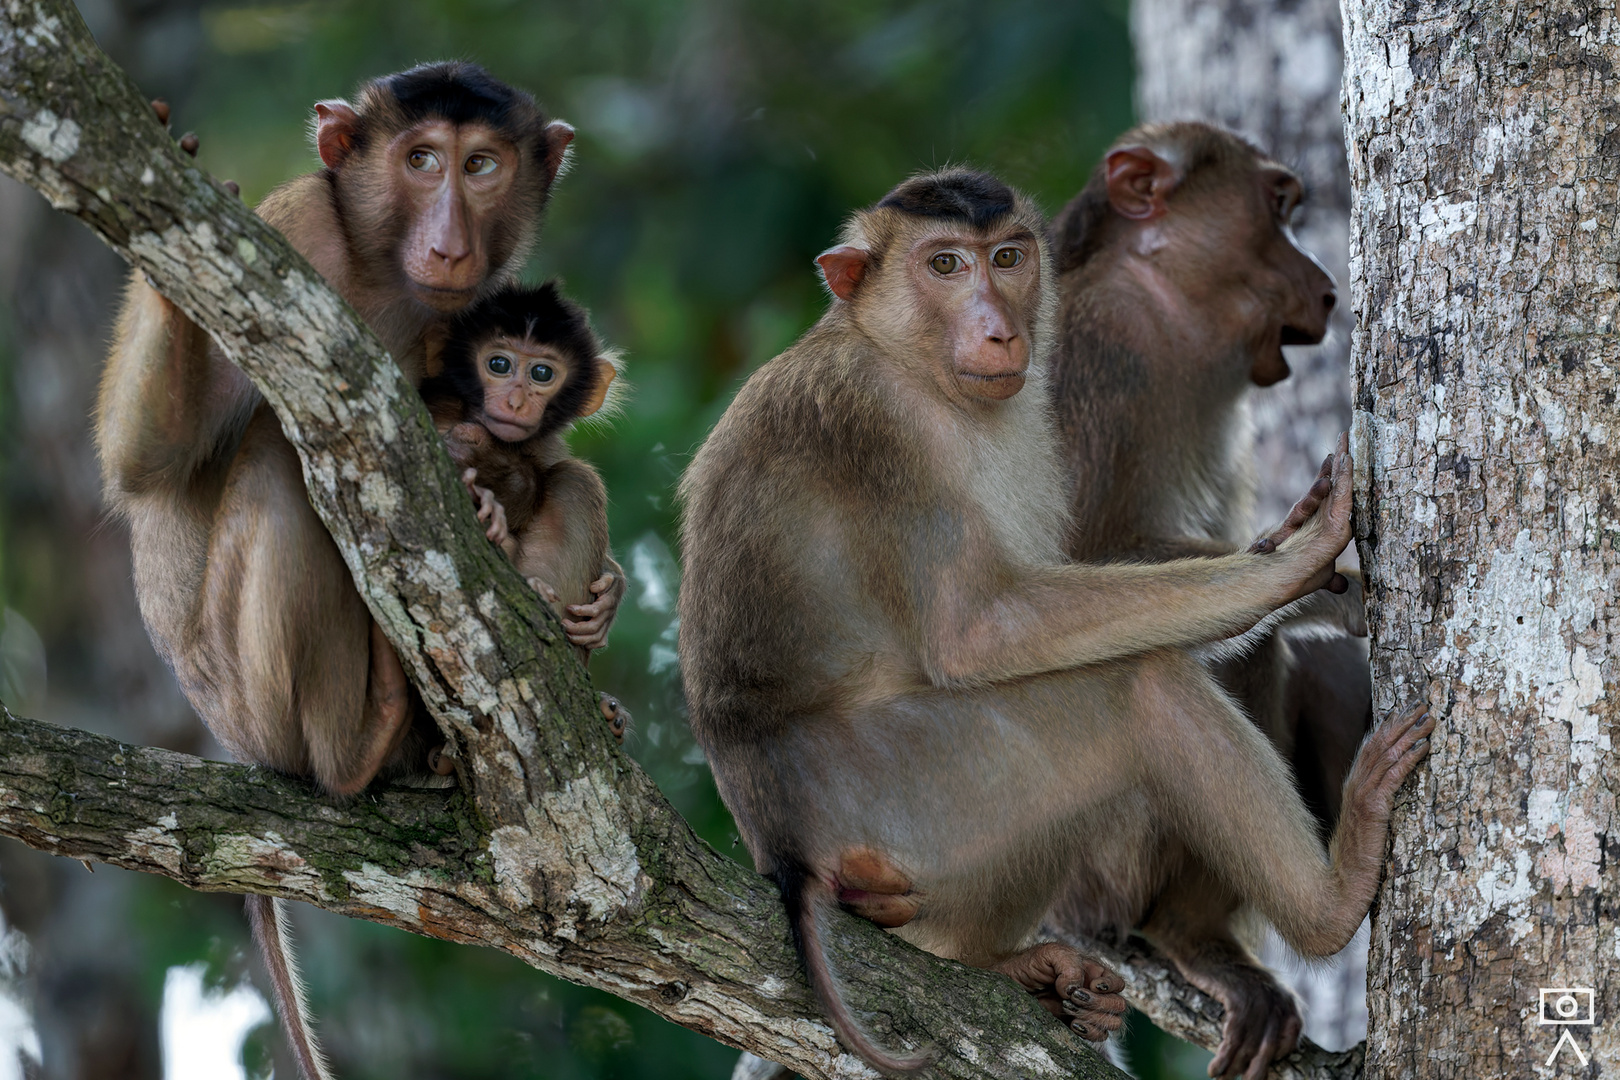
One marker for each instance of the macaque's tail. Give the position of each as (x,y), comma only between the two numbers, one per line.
(267,916)
(807,896)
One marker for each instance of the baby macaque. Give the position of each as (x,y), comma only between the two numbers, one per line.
(518,369)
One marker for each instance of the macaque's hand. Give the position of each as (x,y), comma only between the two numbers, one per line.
(587,625)
(491,514)
(1317,529)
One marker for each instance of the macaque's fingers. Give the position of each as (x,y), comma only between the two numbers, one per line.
(604,583)
(1385,760)
(617,716)
(547,593)
(1301,511)
(587,638)
(469,480)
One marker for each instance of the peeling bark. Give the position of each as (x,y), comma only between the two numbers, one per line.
(1483,154)
(555,847)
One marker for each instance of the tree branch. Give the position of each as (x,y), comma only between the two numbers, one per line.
(556,847)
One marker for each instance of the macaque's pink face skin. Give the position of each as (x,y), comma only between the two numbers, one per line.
(519,379)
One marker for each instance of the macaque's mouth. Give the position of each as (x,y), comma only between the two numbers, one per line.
(996,387)
(1293,335)
(508,431)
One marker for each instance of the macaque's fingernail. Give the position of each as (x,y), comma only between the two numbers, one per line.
(1081,995)
(234,188)
(161,108)
(189,143)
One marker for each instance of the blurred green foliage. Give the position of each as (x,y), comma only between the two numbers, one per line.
(720,144)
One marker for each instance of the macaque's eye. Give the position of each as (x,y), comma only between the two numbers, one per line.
(542,373)
(481,165)
(1008,257)
(500,365)
(424,161)
(945,263)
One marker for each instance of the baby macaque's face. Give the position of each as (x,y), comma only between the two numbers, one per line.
(520,379)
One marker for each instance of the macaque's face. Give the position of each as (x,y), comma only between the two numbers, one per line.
(979,290)
(520,379)
(455,185)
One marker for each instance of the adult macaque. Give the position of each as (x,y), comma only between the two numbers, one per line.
(430,197)
(519,368)
(913,705)
(1179,283)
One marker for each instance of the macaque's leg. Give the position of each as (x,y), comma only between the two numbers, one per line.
(1191,923)
(312,685)
(565,545)
(1234,804)
(168,400)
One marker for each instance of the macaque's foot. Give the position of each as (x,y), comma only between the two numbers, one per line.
(1262,1024)
(871,886)
(1078,989)
(617,716)
(491,514)
(1384,761)
(587,624)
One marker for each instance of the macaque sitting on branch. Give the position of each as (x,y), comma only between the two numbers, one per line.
(914,706)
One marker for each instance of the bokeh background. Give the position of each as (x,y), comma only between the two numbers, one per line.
(720,144)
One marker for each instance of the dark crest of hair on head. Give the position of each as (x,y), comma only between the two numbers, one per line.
(1078,231)
(959,194)
(540,314)
(454,90)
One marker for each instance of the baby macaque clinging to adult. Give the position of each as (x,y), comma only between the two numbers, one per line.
(518,369)
(1179,283)
(914,706)
(429,196)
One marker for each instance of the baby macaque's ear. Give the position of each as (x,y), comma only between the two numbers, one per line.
(605,374)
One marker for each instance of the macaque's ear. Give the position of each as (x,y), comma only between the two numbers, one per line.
(556,139)
(605,374)
(335,125)
(1139,182)
(843,267)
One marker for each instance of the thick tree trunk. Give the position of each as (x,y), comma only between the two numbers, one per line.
(1485,150)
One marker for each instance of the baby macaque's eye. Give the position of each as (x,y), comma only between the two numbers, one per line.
(480,164)
(424,161)
(945,263)
(500,365)
(542,373)
(1008,257)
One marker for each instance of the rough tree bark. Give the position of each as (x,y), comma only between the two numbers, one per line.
(1485,151)
(556,847)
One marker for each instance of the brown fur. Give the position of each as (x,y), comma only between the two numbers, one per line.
(243,591)
(1166,323)
(886,654)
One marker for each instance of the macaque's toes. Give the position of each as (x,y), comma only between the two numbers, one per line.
(617,716)
(189,143)
(234,188)
(161,108)
(547,593)
(1072,986)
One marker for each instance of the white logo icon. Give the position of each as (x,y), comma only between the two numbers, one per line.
(1565,1006)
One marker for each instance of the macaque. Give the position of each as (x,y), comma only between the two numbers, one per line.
(1179,283)
(429,198)
(519,368)
(914,705)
